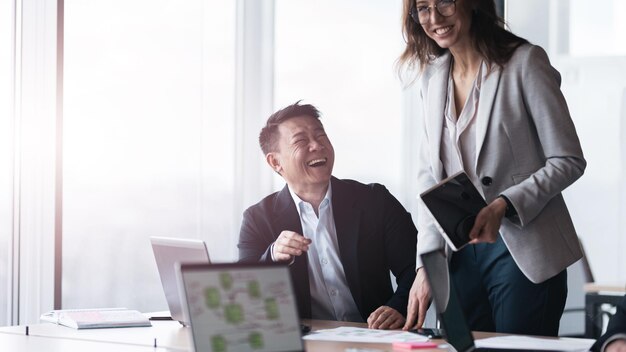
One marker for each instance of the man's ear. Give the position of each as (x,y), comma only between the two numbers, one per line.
(273,162)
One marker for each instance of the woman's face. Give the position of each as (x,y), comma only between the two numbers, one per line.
(452,32)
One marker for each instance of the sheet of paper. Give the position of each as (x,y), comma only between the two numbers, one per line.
(526,342)
(351,334)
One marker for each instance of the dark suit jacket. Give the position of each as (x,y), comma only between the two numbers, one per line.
(617,325)
(375,235)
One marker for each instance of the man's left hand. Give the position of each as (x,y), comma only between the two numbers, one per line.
(385,318)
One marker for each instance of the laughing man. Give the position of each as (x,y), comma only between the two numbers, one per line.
(340,237)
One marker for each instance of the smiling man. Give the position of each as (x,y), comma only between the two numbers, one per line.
(340,237)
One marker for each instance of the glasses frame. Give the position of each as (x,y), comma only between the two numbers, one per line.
(415,15)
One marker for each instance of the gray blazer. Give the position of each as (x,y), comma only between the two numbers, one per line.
(527,150)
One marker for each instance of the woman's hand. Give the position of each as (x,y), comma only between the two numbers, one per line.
(616,346)
(419,300)
(488,222)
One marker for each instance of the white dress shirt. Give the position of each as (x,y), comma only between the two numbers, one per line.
(458,142)
(331,298)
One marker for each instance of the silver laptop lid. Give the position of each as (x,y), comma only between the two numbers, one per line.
(168,252)
(241,307)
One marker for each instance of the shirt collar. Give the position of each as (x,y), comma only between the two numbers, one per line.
(298,201)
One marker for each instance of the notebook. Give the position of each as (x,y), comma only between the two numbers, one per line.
(455,327)
(454,203)
(168,252)
(96,318)
(241,307)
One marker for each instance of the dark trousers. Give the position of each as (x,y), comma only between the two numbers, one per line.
(497,297)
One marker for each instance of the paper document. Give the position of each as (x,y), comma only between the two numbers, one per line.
(351,334)
(96,318)
(546,344)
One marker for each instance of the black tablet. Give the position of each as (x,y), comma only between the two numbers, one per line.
(454,203)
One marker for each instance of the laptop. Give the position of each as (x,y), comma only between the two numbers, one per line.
(168,252)
(455,327)
(241,307)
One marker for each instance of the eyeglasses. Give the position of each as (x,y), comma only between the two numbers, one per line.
(421,14)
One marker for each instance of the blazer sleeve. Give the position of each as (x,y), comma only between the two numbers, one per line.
(255,242)
(429,238)
(617,326)
(540,89)
(400,240)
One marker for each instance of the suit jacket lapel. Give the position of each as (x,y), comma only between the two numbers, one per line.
(347,219)
(437,94)
(287,218)
(488,91)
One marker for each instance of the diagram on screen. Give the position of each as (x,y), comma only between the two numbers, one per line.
(243,310)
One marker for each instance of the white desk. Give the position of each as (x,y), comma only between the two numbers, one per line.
(169,335)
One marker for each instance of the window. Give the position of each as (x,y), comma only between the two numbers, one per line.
(148,142)
(6,157)
(340,57)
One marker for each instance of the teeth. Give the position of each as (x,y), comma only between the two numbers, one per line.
(316,161)
(443,30)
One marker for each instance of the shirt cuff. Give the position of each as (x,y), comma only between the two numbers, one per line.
(293,259)
(611,339)
(510,209)
(272,251)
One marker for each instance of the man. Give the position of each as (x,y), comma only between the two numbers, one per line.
(614,339)
(340,237)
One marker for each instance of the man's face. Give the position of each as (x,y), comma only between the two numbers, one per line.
(304,155)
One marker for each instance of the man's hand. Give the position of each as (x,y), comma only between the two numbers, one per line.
(419,300)
(618,345)
(385,318)
(288,245)
(488,222)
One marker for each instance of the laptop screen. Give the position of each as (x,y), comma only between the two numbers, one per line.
(168,252)
(241,307)
(447,303)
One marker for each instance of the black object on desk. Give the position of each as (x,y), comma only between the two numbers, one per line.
(432,333)
(594,312)
(160,318)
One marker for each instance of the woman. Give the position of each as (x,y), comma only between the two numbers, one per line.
(493,108)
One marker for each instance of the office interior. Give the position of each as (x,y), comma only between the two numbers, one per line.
(125,119)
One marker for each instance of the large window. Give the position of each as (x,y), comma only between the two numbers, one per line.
(6,158)
(339,56)
(148,142)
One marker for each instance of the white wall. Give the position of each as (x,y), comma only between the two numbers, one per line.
(588,50)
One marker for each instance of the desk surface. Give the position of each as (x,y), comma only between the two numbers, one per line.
(169,335)
(596,287)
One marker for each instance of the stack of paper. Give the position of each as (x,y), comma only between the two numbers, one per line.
(97,318)
(350,334)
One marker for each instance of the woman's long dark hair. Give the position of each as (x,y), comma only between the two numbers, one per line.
(494,43)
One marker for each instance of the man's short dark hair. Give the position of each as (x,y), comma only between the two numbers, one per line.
(269,133)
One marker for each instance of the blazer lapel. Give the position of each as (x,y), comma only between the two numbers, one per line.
(347,219)
(483,116)
(436,102)
(287,218)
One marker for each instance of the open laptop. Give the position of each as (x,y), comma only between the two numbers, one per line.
(168,252)
(456,329)
(241,307)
